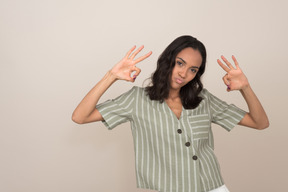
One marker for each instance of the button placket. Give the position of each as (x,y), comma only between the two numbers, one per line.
(187,143)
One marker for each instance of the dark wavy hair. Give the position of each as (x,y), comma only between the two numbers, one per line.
(160,79)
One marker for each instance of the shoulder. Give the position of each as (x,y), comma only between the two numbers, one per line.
(138,92)
(142,94)
(204,93)
(128,95)
(137,89)
(207,95)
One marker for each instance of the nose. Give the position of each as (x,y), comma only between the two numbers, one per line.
(182,73)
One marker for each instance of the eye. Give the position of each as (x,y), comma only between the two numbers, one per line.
(179,63)
(193,70)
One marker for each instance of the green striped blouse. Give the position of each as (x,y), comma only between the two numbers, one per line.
(171,154)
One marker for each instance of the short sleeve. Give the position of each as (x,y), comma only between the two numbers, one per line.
(119,110)
(223,114)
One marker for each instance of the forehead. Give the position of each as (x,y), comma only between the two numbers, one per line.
(190,56)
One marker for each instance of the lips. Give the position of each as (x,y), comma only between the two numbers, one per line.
(179,81)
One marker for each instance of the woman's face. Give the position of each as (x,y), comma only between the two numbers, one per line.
(187,64)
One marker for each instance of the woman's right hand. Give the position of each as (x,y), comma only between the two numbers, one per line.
(127,66)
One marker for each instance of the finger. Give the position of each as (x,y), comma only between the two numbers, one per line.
(227,62)
(135,73)
(136,52)
(236,62)
(223,66)
(143,57)
(130,51)
(228,88)
(226,81)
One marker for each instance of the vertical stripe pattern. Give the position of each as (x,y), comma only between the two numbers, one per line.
(172,155)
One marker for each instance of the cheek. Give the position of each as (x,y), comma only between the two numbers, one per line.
(174,72)
(192,76)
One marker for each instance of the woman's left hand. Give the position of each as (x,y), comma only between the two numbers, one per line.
(234,79)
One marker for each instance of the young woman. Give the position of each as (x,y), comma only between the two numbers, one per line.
(171,118)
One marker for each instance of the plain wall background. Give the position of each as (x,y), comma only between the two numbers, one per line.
(53,52)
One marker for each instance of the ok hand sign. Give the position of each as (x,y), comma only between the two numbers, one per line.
(234,78)
(124,69)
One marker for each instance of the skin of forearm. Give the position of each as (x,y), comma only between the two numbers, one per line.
(256,110)
(87,105)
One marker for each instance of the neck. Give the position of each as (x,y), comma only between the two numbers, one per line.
(173,94)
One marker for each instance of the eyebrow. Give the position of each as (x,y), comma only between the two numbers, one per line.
(185,62)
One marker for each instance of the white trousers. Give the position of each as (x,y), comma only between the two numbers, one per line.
(223,188)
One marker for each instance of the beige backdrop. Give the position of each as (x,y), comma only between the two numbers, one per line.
(53,51)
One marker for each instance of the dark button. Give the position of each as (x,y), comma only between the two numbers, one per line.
(194,157)
(187,144)
(179,131)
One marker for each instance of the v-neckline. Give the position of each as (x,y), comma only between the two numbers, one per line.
(171,111)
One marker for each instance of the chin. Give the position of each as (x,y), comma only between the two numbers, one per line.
(176,87)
